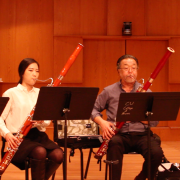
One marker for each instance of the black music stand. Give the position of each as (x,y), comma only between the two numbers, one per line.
(149,106)
(65,103)
(3,102)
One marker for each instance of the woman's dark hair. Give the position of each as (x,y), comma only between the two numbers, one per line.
(125,57)
(23,66)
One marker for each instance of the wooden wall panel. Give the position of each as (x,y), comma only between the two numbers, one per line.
(63,48)
(34,33)
(174,63)
(67,16)
(100,57)
(7,40)
(163,17)
(29,34)
(174,88)
(79,17)
(93,17)
(29,28)
(167,134)
(176,123)
(149,53)
(120,11)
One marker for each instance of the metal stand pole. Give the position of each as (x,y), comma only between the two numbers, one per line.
(65,144)
(148,114)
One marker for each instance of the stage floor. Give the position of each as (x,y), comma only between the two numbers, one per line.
(131,165)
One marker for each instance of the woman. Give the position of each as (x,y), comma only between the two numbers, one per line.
(36,144)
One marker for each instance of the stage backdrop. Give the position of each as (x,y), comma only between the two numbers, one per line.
(50,30)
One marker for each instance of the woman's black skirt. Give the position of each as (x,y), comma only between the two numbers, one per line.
(33,139)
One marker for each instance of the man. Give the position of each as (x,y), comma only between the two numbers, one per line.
(133,135)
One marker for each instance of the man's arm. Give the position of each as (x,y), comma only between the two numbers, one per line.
(96,115)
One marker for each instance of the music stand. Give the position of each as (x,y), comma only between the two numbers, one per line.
(149,106)
(3,102)
(65,103)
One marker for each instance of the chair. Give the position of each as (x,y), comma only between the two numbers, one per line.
(22,166)
(78,142)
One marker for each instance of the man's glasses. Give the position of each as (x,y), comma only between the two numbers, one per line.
(129,68)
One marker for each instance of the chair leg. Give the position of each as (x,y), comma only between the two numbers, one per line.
(82,178)
(53,176)
(26,169)
(87,166)
(63,171)
(106,171)
(82,169)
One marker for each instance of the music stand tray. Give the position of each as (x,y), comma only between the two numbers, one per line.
(65,103)
(149,106)
(3,102)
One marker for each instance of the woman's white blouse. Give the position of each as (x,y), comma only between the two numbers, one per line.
(20,104)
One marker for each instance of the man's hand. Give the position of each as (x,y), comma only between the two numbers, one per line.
(107,129)
(11,140)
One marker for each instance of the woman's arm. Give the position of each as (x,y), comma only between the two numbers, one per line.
(10,138)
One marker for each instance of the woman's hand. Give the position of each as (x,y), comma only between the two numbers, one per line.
(107,129)
(12,140)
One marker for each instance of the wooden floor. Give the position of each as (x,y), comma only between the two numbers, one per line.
(132,165)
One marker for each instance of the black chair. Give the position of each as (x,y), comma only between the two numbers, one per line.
(22,166)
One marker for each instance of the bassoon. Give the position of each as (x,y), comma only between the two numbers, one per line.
(27,125)
(104,146)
